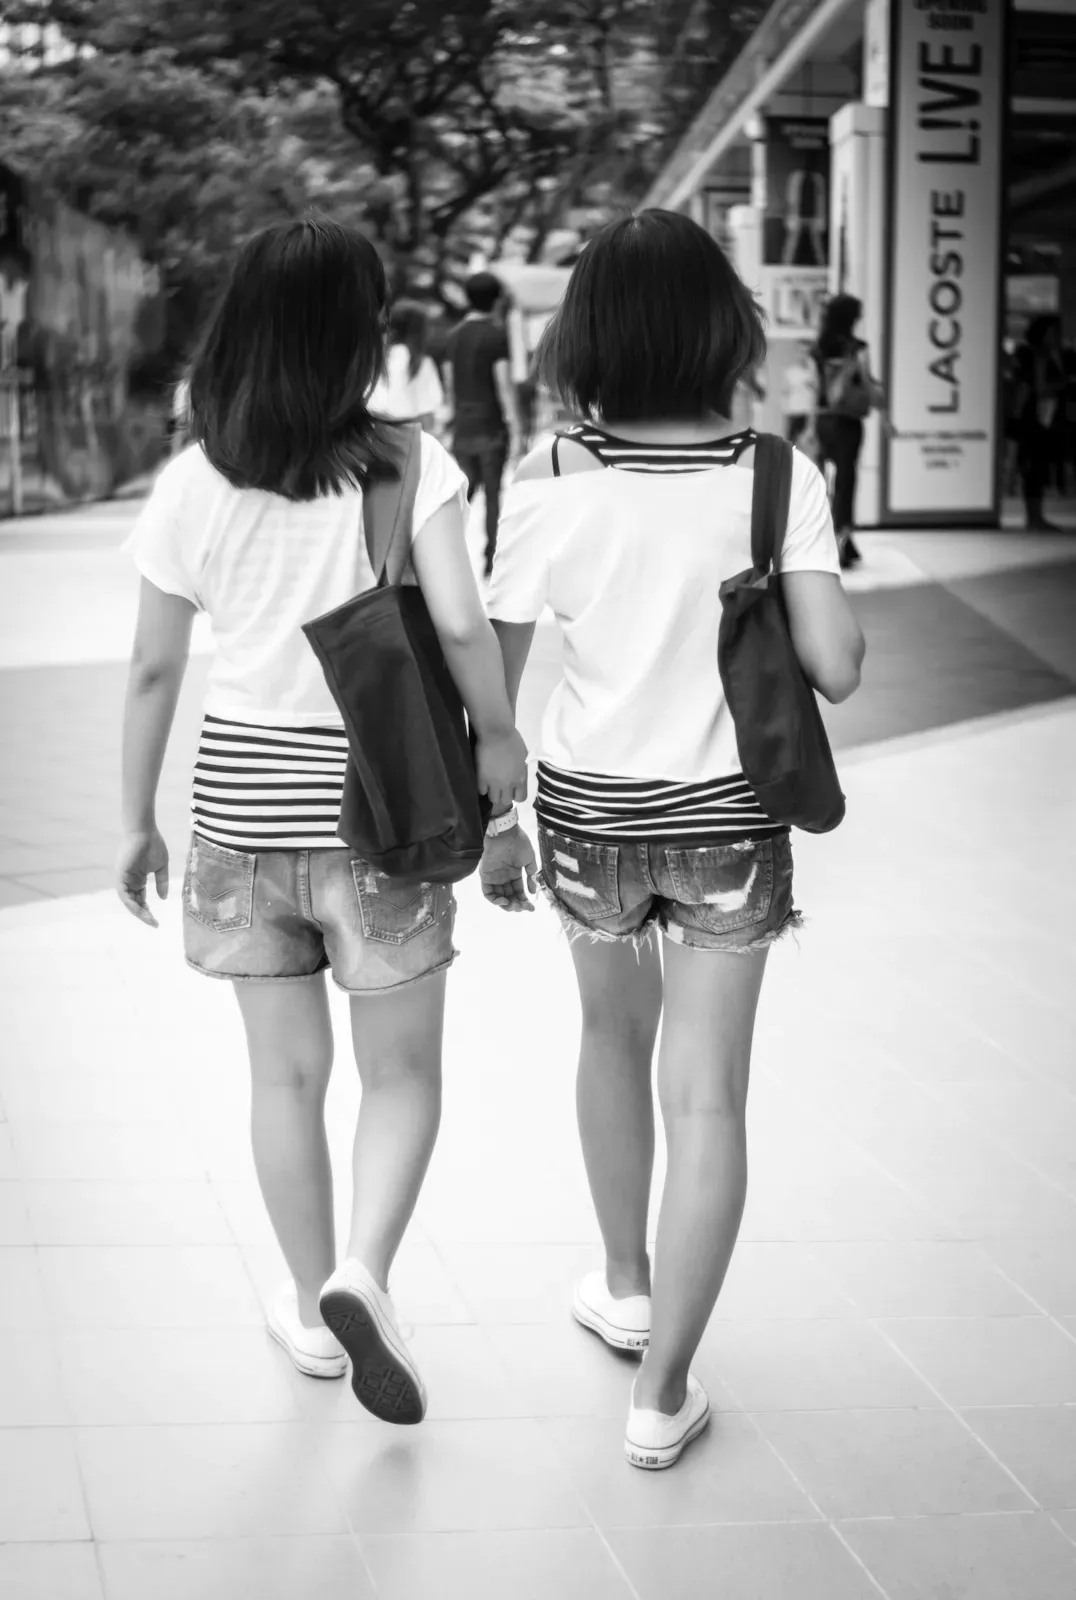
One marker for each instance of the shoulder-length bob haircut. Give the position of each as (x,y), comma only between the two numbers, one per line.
(280,379)
(655,322)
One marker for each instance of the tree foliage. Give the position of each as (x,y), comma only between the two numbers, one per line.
(445,127)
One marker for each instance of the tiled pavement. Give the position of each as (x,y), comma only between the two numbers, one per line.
(893,1360)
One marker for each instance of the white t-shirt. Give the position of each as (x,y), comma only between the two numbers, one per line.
(260,566)
(399,394)
(631,565)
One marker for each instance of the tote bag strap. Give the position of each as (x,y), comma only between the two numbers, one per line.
(770,499)
(388,507)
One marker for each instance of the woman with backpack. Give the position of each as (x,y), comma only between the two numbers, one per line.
(627,526)
(260,524)
(847,393)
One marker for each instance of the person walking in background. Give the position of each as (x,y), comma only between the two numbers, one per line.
(627,525)
(799,395)
(847,393)
(260,524)
(1040,390)
(410,386)
(482,399)
(181,416)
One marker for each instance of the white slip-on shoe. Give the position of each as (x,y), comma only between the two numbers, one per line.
(623,1324)
(314,1351)
(362,1316)
(654,1440)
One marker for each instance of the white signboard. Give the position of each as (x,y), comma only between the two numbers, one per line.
(793,299)
(945,258)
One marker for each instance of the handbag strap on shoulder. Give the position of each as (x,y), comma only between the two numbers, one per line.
(388,507)
(770,499)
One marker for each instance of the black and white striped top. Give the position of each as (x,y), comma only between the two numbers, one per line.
(268,788)
(603,807)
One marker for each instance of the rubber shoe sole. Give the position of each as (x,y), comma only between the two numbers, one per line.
(616,1338)
(382,1383)
(657,1460)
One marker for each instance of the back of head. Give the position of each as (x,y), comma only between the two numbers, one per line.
(655,323)
(281,377)
(409,326)
(484,290)
(838,325)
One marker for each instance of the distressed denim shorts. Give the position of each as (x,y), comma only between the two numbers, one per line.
(733,897)
(267,915)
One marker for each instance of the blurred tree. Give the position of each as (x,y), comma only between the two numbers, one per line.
(446,127)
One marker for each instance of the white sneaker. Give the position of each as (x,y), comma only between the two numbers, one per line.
(623,1324)
(363,1318)
(313,1350)
(655,1440)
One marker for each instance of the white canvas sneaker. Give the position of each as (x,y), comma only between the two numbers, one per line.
(385,1379)
(313,1350)
(623,1324)
(654,1440)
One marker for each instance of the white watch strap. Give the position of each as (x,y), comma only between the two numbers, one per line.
(503,824)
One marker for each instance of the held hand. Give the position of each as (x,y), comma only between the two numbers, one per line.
(506,861)
(501,766)
(142,855)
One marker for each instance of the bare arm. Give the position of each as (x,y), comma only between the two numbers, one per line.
(506,390)
(158,664)
(446,578)
(825,634)
(515,640)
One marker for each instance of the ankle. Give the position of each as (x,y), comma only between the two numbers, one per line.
(374,1262)
(309,1310)
(624,1279)
(664,1392)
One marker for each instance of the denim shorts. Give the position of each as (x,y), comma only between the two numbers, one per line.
(734,897)
(268,915)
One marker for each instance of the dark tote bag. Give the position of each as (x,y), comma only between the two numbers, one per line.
(784,750)
(411,805)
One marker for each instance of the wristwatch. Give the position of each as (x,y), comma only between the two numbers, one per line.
(503,824)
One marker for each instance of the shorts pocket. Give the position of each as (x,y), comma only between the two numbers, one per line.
(393,913)
(218,886)
(727,888)
(584,876)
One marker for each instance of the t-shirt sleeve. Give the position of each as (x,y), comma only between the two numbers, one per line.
(810,542)
(498,344)
(162,543)
(519,588)
(440,480)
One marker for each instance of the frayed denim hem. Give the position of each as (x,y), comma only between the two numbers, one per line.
(791,925)
(573,929)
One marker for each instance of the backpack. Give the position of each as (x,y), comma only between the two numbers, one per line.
(411,806)
(784,750)
(845,390)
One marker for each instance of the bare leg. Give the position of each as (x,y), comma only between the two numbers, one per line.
(289,1037)
(710,1003)
(621,997)
(397,1039)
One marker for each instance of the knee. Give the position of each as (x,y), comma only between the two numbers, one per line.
(719,1097)
(304,1075)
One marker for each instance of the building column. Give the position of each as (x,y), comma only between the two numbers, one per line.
(857,256)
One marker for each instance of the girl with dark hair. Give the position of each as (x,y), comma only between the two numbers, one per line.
(847,393)
(626,526)
(260,524)
(410,386)
(1040,389)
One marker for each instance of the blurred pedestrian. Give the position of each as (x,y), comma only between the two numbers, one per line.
(260,525)
(1040,389)
(181,416)
(847,393)
(410,387)
(486,426)
(799,395)
(627,525)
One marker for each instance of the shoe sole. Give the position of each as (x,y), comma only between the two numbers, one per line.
(668,1455)
(384,1383)
(309,1366)
(616,1338)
